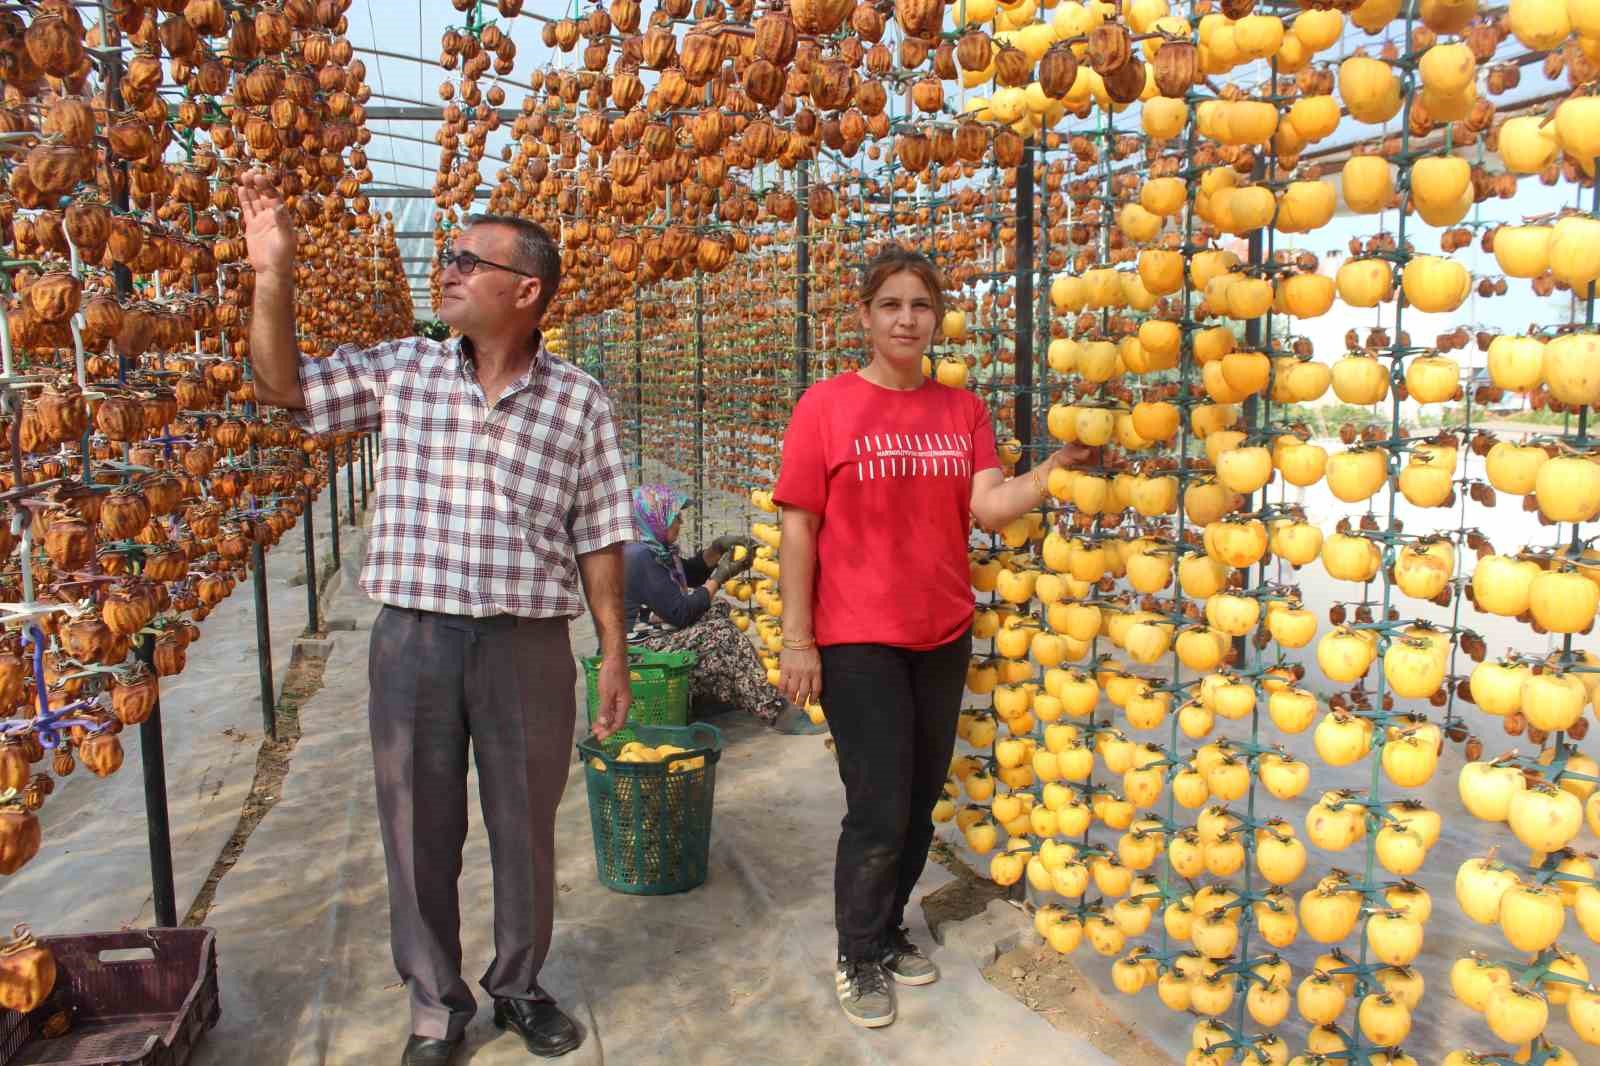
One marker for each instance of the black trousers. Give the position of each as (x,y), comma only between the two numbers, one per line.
(893,714)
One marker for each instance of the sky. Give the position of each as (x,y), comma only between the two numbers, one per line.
(414,28)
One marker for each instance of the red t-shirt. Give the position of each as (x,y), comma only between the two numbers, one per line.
(890,472)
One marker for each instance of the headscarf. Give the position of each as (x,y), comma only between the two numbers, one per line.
(655,508)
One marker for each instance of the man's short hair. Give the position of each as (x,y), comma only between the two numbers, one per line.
(536,251)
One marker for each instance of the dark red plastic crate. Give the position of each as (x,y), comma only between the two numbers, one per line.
(137,1012)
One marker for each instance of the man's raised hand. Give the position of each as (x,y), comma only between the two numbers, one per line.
(268,228)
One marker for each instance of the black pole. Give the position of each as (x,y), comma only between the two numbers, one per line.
(1255,342)
(350,478)
(309,521)
(1041,303)
(269,703)
(158,826)
(111,71)
(699,408)
(152,749)
(1022,300)
(333,502)
(638,387)
(802,288)
(363,472)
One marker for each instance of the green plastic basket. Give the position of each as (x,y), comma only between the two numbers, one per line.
(652,821)
(660,683)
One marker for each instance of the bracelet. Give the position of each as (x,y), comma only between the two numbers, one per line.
(804,645)
(1039,484)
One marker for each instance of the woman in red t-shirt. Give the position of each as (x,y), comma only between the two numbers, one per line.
(883,472)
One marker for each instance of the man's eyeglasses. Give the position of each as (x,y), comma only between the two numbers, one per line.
(467,262)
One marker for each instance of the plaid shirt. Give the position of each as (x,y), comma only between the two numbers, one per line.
(479,511)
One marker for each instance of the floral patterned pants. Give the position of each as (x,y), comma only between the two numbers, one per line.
(729,670)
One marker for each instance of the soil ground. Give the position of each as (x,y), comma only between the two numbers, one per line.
(1042,980)
(1050,985)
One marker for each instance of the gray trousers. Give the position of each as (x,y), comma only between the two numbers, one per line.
(438,682)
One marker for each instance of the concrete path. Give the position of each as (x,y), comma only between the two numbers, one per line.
(93,871)
(737,971)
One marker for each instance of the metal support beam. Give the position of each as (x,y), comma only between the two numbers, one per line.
(1256,341)
(158,827)
(393,136)
(309,522)
(333,501)
(699,407)
(424,60)
(802,290)
(152,750)
(424,113)
(350,478)
(395,98)
(1022,300)
(638,386)
(371,159)
(1042,332)
(269,702)
(381,192)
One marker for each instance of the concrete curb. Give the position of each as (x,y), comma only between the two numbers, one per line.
(1002,927)
(307,647)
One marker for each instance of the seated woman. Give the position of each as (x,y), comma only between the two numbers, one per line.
(661,585)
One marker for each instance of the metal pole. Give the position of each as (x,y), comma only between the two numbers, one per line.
(152,749)
(364,472)
(802,288)
(309,521)
(1254,342)
(350,478)
(158,826)
(1042,335)
(699,407)
(1022,300)
(269,703)
(333,502)
(111,71)
(638,387)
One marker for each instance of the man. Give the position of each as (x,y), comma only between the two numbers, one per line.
(501,485)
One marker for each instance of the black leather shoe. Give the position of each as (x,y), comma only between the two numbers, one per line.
(428,1051)
(543,1027)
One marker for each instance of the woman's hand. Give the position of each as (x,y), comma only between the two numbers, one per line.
(997,500)
(725,543)
(800,675)
(728,568)
(1072,455)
